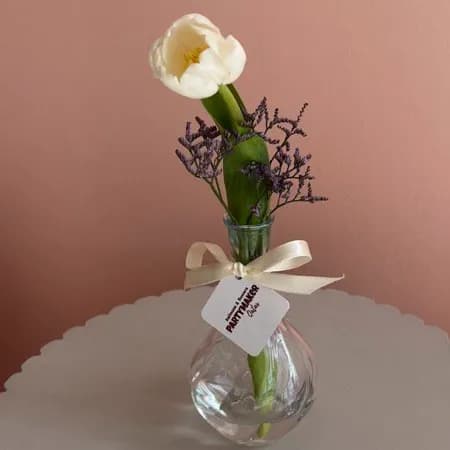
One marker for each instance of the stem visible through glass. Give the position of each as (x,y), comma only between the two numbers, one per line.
(248,243)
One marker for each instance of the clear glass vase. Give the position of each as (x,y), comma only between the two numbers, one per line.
(253,400)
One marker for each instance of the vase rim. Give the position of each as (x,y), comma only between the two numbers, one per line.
(230,224)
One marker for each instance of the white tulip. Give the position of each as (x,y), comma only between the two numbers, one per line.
(193,58)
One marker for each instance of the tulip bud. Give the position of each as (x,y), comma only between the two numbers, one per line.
(194,59)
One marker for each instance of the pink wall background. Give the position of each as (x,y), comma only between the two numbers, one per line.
(96,210)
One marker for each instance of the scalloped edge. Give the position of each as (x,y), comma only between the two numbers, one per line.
(10,381)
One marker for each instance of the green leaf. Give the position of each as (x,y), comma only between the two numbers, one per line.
(244,192)
(227,109)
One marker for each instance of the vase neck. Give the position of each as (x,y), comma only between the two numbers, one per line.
(248,242)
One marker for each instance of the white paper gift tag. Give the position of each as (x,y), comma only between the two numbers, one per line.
(245,313)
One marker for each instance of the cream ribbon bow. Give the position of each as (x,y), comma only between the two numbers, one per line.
(284,257)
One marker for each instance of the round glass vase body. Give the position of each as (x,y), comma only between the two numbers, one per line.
(251,400)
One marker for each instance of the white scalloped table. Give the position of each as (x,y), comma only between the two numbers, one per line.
(120,381)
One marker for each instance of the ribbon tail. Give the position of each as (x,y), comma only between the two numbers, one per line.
(293,284)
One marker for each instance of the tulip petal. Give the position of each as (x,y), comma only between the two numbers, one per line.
(197,81)
(210,66)
(155,59)
(198,21)
(233,57)
(191,85)
(181,42)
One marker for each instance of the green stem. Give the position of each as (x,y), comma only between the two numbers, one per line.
(264,377)
(219,197)
(238,98)
(263,367)
(225,109)
(243,192)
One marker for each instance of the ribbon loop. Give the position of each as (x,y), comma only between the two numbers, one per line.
(287,256)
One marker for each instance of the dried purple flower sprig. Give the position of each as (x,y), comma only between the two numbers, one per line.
(288,176)
(203,153)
